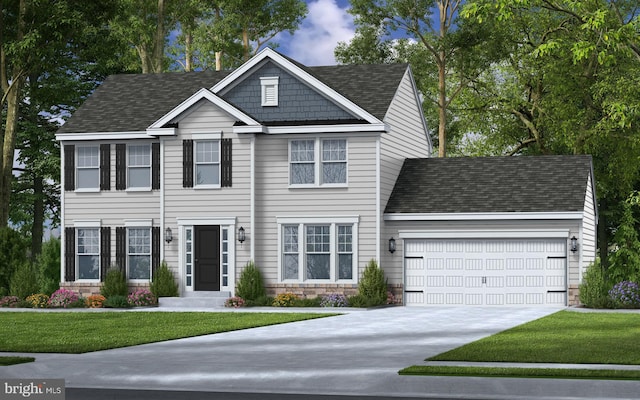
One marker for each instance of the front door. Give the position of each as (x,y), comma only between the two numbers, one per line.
(207,257)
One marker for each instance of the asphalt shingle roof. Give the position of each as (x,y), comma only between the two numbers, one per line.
(491,184)
(132,102)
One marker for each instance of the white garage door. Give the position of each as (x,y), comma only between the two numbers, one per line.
(485,272)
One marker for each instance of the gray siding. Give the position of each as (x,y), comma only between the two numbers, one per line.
(589,227)
(275,199)
(297,101)
(407,138)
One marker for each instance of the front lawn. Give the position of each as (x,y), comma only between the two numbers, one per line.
(79,332)
(564,337)
(4,361)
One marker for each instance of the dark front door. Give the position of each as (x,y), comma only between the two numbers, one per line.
(207,258)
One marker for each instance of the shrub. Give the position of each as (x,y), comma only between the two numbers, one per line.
(164,284)
(48,266)
(95,301)
(265,301)
(284,300)
(373,287)
(116,301)
(13,252)
(307,302)
(625,294)
(334,300)
(9,301)
(39,300)
(115,284)
(250,286)
(24,282)
(235,302)
(63,298)
(142,298)
(594,288)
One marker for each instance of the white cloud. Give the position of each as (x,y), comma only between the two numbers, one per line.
(326,24)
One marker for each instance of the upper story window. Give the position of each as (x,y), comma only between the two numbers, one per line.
(87,167)
(269,91)
(207,163)
(139,166)
(317,162)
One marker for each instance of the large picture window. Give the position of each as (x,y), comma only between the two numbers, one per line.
(139,253)
(317,162)
(317,251)
(88,253)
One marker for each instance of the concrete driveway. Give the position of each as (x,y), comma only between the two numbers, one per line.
(358,353)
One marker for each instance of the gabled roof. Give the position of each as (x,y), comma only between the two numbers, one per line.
(133,102)
(532,184)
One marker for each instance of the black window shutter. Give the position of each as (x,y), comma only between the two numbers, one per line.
(69,167)
(69,254)
(121,248)
(225,163)
(187,163)
(121,166)
(155,166)
(105,167)
(105,251)
(155,250)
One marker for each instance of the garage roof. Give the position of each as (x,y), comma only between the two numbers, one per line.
(524,184)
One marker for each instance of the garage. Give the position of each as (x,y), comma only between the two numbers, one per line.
(485,272)
(491,231)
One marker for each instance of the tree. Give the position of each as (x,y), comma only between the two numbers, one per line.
(568,84)
(444,51)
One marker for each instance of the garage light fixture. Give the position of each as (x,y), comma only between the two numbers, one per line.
(392,245)
(573,244)
(168,235)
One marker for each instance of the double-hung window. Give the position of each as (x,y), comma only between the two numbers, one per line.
(317,250)
(317,162)
(88,167)
(139,166)
(139,253)
(88,253)
(207,163)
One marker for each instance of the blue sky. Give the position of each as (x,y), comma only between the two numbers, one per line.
(326,24)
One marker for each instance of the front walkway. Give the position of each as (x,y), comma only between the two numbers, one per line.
(358,353)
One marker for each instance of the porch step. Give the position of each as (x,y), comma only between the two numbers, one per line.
(195,300)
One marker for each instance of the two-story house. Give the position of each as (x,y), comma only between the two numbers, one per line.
(302,170)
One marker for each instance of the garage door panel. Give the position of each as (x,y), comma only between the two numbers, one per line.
(486,272)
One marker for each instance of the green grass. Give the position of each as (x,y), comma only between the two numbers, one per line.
(84,332)
(504,372)
(564,337)
(4,361)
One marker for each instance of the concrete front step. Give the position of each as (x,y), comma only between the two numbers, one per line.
(195,300)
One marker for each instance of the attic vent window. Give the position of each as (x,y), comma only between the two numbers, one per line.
(269,91)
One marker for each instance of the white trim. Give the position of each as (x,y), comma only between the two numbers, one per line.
(138,223)
(102,136)
(485,234)
(87,223)
(252,195)
(298,72)
(204,134)
(162,203)
(323,219)
(195,98)
(162,131)
(307,129)
(379,209)
(206,221)
(569,215)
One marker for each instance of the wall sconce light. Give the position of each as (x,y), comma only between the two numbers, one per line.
(392,245)
(573,244)
(168,236)
(241,235)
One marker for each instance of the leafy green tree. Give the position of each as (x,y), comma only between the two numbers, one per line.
(13,252)
(48,266)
